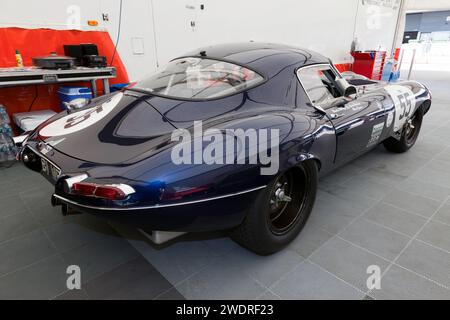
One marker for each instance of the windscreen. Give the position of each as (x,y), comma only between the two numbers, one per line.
(198,78)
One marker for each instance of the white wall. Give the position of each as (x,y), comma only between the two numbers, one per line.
(155,31)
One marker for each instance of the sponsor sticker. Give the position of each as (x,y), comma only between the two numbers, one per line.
(376,133)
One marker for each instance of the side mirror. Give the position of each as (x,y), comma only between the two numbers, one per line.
(345,88)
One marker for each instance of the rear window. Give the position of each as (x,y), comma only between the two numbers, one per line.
(198,78)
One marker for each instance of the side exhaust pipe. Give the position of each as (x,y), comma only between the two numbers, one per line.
(160,237)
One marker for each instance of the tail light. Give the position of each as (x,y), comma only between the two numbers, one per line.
(104,191)
(183,193)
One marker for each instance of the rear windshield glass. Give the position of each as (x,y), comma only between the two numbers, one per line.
(197,78)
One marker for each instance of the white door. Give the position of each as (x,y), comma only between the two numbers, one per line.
(175,28)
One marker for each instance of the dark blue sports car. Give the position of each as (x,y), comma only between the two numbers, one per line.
(229,137)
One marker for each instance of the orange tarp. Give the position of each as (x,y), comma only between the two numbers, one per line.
(40,42)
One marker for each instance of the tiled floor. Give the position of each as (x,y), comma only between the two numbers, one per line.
(37,244)
(383,209)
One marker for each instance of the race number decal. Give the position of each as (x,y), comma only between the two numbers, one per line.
(404,103)
(80,120)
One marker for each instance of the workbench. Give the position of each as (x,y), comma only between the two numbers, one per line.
(10,77)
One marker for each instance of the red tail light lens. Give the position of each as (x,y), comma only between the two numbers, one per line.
(83,189)
(111,192)
(183,193)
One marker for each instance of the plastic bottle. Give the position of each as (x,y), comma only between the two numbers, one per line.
(19,60)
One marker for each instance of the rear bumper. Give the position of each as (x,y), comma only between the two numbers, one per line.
(210,214)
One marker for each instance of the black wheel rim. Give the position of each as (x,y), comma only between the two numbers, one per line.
(287,200)
(412,128)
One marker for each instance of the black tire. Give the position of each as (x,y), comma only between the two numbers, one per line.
(271,224)
(408,137)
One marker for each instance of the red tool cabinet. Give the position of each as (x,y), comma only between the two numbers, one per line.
(369,64)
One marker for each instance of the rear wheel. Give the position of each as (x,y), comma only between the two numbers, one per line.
(409,134)
(280,211)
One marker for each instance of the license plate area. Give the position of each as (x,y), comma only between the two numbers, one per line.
(49,170)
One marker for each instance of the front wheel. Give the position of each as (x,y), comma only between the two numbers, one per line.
(280,210)
(409,134)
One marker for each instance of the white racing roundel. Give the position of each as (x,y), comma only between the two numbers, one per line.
(80,120)
(404,103)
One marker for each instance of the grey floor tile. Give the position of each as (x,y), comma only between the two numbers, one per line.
(426,189)
(221,246)
(309,239)
(342,174)
(375,238)
(413,203)
(332,213)
(38,203)
(179,260)
(23,251)
(347,262)
(78,230)
(383,176)
(8,188)
(43,280)
(371,159)
(171,294)
(100,256)
(436,234)
(444,156)
(16,172)
(428,261)
(135,279)
(264,269)
(16,225)
(370,187)
(308,281)
(432,175)
(220,281)
(439,165)
(354,196)
(443,214)
(10,205)
(76,294)
(395,218)
(268,296)
(399,283)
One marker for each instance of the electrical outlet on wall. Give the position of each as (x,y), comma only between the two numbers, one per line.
(137,45)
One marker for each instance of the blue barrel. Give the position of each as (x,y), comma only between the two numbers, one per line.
(67,94)
(387,69)
(117,87)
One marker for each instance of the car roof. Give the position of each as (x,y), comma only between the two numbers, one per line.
(265,58)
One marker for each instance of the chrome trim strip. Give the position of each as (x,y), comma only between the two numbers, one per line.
(69,182)
(312,66)
(156,206)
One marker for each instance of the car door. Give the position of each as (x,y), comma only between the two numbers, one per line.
(359,122)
